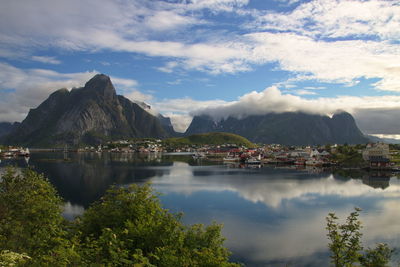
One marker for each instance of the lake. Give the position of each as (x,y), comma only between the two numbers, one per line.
(272,216)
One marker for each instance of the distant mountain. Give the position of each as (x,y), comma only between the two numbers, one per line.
(288,128)
(375,139)
(210,139)
(87,115)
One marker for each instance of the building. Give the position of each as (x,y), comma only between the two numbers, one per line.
(377,155)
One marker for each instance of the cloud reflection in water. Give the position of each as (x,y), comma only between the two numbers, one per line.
(289,226)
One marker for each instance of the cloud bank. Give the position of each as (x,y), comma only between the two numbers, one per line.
(273,100)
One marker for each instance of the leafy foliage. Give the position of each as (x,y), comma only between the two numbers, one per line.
(209,139)
(349,156)
(30,218)
(345,244)
(129,226)
(126,227)
(10,259)
(378,256)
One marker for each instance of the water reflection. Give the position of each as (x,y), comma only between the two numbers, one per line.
(84,177)
(271,216)
(281,213)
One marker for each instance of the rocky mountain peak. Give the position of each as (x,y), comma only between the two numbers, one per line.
(101,84)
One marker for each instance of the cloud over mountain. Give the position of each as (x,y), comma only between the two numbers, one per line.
(272,100)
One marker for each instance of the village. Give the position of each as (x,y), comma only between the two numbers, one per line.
(376,156)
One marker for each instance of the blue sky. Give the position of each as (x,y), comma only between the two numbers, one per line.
(220,57)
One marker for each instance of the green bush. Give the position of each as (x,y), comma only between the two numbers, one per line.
(345,244)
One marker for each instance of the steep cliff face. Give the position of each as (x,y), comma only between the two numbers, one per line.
(285,128)
(90,115)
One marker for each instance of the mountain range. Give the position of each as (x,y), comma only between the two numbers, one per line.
(290,128)
(95,113)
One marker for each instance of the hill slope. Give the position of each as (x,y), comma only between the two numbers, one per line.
(210,139)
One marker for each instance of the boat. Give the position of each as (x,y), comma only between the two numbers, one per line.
(300,162)
(24,152)
(231,159)
(253,160)
(8,155)
(314,162)
(199,155)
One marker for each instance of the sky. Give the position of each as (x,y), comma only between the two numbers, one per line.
(217,57)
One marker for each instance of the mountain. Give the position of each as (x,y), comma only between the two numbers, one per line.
(7,127)
(89,115)
(290,128)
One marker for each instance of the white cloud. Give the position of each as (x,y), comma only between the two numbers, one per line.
(216,5)
(137,96)
(179,121)
(304,92)
(124,83)
(288,2)
(176,82)
(387,136)
(45,59)
(314,87)
(168,20)
(168,67)
(337,18)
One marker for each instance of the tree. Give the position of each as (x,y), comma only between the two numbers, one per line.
(129,226)
(345,244)
(30,219)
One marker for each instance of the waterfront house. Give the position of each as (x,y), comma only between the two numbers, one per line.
(377,155)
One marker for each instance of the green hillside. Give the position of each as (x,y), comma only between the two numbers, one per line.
(209,139)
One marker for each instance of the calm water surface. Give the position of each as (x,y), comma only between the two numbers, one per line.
(271,216)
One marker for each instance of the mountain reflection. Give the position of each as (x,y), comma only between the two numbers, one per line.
(84,177)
